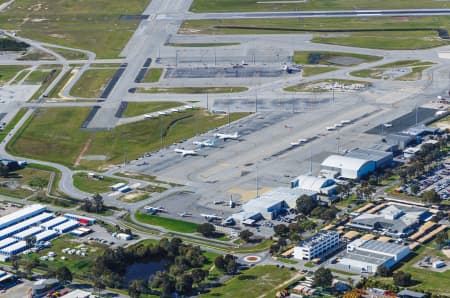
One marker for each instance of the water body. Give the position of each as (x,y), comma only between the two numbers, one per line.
(142,271)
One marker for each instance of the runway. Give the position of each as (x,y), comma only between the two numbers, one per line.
(313,14)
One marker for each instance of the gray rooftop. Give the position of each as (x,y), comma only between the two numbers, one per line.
(317,238)
(394,218)
(370,258)
(369,154)
(382,247)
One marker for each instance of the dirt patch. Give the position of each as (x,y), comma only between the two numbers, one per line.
(83,150)
(247,195)
(446,252)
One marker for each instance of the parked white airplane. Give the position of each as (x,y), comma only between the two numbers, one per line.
(185,152)
(174,110)
(224,136)
(346,122)
(299,142)
(148,116)
(206,143)
(153,210)
(331,128)
(387,125)
(210,216)
(184,214)
(162,113)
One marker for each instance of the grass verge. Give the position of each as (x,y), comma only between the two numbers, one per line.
(260,279)
(317,86)
(84,183)
(332,58)
(390,33)
(153,75)
(92,83)
(175,225)
(12,124)
(139,108)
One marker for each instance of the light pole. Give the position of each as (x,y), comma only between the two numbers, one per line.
(161,130)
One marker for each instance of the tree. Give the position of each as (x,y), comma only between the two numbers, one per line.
(30,241)
(414,188)
(322,278)
(219,262)
(402,278)
(281,230)
(4,170)
(98,203)
(87,205)
(183,284)
(198,275)
(64,275)
(383,271)
(245,235)
(136,288)
(442,237)
(206,229)
(431,196)
(306,204)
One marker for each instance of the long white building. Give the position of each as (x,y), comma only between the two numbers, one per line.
(317,246)
(20,215)
(24,225)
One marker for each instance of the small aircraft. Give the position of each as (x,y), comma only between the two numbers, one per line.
(224,136)
(331,128)
(338,125)
(174,110)
(148,116)
(162,113)
(185,152)
(184,214)
(344,122)
(206,143)
(387,125)
(211,216)
(299,142)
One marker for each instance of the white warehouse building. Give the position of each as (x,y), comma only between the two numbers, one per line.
(368,255)
(317,246)
(348,167)
(315,184)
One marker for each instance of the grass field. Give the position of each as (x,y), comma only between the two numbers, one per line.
(55,92)
(69,54)
(380,39)
(153,75)
(92,83)
(78,265)
(90,25)
(309,71)
(139,108)
(93,186)
(27,181)
(167,223)
(40,138)
(252,283)
(193,90)
(416,67)
(252,5)
(311,86)
(7,72)
(327,58)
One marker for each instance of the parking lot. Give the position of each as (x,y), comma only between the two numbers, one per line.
(437,179)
